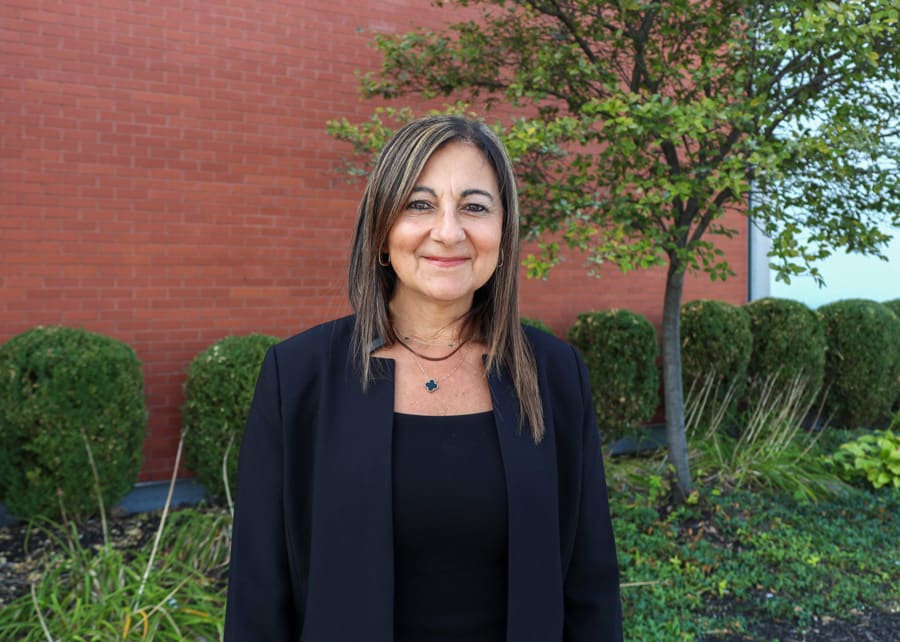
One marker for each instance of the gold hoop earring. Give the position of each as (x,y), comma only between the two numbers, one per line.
(384,262)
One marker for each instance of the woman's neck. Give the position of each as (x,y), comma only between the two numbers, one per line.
(427,321)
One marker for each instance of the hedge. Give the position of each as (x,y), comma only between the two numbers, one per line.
(788,347)
(620,349)
(67,395)
(862,363)
(716,344)
(218,391)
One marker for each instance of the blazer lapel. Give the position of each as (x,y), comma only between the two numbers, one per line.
(534,579)
(352,562)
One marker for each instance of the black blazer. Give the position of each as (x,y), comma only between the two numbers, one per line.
(312,554)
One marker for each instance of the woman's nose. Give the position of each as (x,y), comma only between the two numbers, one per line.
(448,227)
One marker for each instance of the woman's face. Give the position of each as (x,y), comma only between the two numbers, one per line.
(446,242)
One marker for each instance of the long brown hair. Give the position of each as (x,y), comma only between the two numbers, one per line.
(494,315)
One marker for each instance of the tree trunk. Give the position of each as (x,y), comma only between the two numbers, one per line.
(673,388)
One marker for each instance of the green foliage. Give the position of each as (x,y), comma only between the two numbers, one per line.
(537,323)
(67,395)
(638,140)
(862,365)
(894,306)
(770,451)
(218,391)
(107,593)
(788,343)
(872,458)
(730,559)
(716,344)
(620,350)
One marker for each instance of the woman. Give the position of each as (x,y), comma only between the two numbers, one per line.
(426,469)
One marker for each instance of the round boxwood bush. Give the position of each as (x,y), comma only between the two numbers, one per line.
(715,350)
(788,347)
(59,388)
(536,323)
(218,391)
(620,350)
(894,306)
(862,363)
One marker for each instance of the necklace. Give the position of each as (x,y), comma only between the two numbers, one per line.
(431,384)
(427,358)
(411,338)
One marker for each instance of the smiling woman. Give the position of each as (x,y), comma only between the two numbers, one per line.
(426,469)
(446,242)
(443,247)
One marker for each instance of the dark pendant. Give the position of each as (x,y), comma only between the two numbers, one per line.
(431,385)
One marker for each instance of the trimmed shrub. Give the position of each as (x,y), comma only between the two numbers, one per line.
(862,363)
(620,350)
(218,391)
(715,350)
(59,388)
(894,306)
(537,323)
(788,347)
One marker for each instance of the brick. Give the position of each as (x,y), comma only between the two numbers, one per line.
(166,178)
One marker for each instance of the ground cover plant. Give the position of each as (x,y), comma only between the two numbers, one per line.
(758,566)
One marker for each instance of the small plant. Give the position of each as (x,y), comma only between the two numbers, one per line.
(620,349)
(218,391)
(872,458)
(771,449)
(62,389)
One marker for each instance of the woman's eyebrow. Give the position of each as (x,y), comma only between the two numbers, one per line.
(467,192)
(475,190)
(422,188)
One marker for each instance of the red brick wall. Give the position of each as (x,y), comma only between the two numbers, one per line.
(165,178)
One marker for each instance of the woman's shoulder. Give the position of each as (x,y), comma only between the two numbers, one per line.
(321,338)
(546,346)
(562,374)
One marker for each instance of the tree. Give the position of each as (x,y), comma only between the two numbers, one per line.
(639,123)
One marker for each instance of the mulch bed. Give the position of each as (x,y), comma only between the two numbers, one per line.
(23,552)
(871,626)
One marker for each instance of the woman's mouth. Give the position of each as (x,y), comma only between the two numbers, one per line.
(446,261)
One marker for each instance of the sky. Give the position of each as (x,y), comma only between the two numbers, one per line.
(848,276)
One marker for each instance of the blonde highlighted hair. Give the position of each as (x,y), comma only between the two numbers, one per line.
(494,315)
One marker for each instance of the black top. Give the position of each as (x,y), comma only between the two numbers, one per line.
(450,529)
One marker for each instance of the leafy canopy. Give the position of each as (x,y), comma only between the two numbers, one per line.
(640,123)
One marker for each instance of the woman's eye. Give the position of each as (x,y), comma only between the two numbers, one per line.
(418,205)
(475,208)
